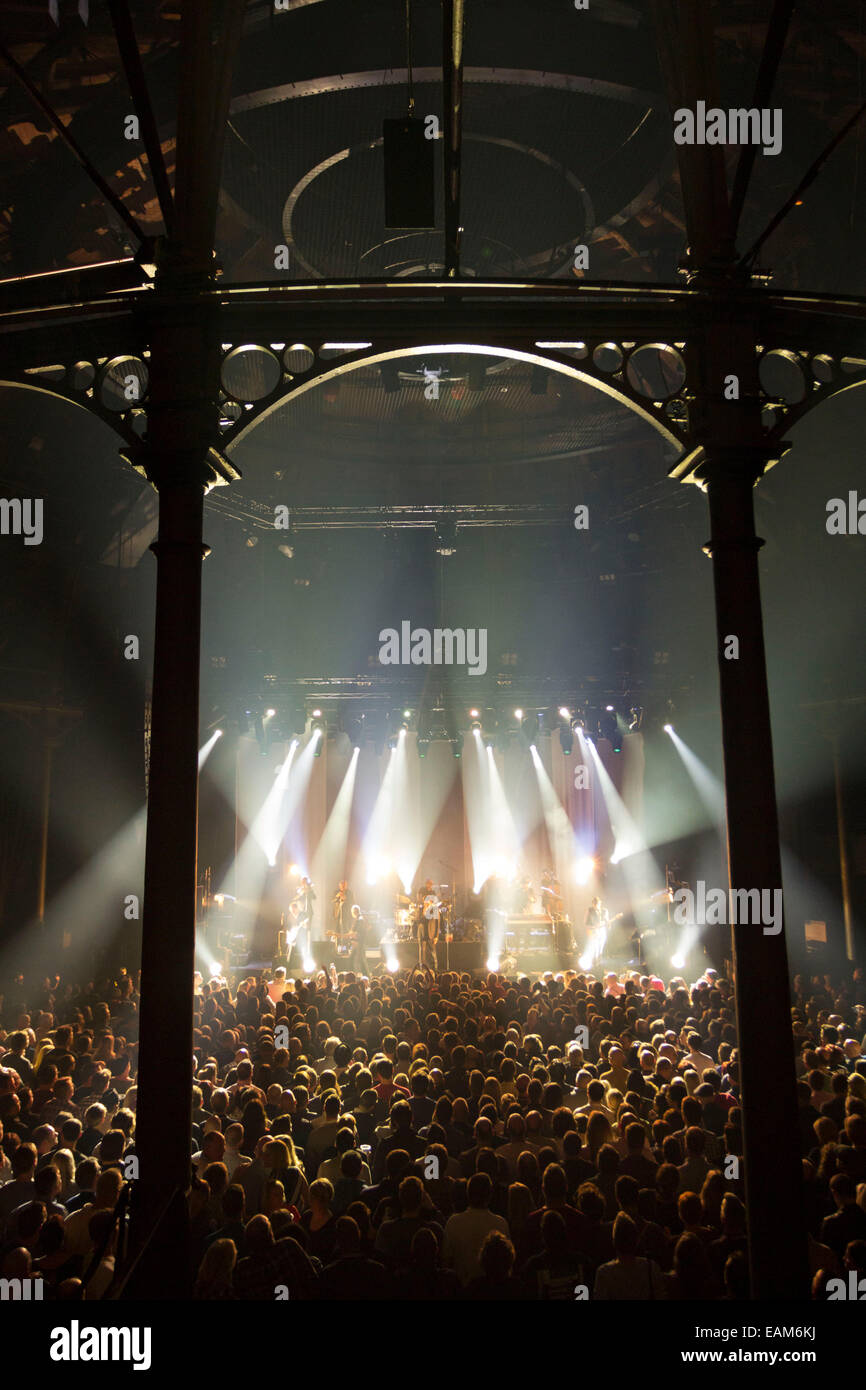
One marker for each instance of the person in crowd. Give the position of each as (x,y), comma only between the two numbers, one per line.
(466,1231)
(628,1276)
(435,1111)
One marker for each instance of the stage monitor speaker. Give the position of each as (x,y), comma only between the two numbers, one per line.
(462,955)
(410,198)
(323,952)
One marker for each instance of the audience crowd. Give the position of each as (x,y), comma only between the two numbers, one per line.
(429,1136)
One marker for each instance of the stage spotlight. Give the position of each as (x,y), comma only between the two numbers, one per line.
(473,714)
(585,961)
(583,869)
(492,962)
(445,542)
(269,713)
(564,713)
(295,870)
(309,965)
(219,733)
(609,709)
(678,962)
(615,857)
(392,965)
(668,728)
(488,743)
(317,726)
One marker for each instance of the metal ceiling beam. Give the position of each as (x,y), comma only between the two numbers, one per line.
(130,56)
(774,47)
(806,181)
(452,98)
(71,144)
(407,315)
(684,33)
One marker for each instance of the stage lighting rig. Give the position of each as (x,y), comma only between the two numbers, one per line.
(374,727)
(608,728)
(318,732)
(445,538)
(529,727)
(353,727)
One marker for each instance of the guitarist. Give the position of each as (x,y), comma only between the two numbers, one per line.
(305,898)
(428,924)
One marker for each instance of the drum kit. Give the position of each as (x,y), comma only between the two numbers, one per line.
(408,913)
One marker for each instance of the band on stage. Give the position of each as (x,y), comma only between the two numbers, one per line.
(523,919)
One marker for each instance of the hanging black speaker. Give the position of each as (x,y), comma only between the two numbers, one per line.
(410,199)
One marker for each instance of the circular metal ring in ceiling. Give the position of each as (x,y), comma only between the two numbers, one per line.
(249,373)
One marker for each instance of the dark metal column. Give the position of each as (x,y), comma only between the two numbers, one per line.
(733,458)
(167,963)
(725,425)
(178,459)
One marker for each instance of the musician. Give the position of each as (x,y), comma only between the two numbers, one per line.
(428,924)
(290,931)
(553,905)
(426,890)
(523,896)
(551,894)
(305,898)
(596,921)
(343,903)
(596,914)
(357,940)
